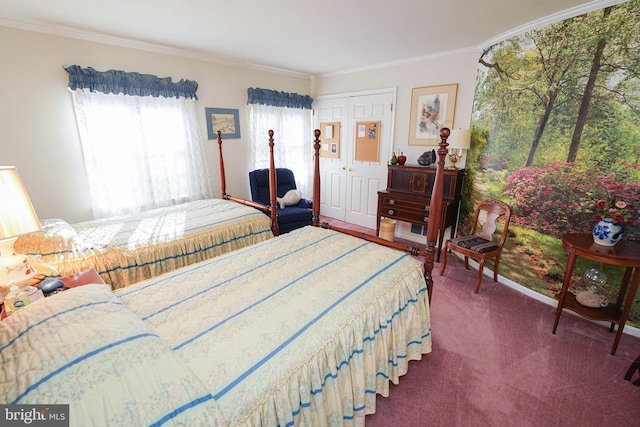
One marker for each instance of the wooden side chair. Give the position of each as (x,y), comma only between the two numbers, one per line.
(481,246)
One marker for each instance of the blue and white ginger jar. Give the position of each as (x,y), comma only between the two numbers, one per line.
(607,233)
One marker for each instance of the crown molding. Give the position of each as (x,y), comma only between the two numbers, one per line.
(551,19)
(430,57)
(143,46)
(547,20)
(206,57)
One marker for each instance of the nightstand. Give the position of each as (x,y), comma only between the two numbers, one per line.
(78,279)
(72,281)
(83,278)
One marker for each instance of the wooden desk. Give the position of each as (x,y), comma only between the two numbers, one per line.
(624,254)
(408,196)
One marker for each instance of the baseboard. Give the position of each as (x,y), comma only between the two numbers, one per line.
(628,329)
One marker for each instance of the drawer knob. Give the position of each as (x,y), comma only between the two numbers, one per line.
(392,212)
(392,202)
(426,219)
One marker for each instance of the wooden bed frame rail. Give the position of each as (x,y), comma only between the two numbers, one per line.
(435,207)
(272,210)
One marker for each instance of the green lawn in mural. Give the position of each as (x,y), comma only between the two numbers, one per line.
(555,129)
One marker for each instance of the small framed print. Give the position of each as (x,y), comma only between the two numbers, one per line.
(432,108)
(225,120)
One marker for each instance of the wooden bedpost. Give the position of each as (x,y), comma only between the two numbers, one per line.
(316,179)
(411,250)
(269,210)
(435,210)
(273,187)
(223,181)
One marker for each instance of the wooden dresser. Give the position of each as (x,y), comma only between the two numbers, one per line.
(408,196)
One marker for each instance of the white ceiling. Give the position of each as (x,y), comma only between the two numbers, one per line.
(302,36)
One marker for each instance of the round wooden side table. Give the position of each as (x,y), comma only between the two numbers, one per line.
(625,254)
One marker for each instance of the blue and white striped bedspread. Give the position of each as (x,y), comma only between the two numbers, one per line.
(130,248)
(302,329)
(84,348)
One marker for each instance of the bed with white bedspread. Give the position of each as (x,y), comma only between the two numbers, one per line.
(303,329)
(130,248)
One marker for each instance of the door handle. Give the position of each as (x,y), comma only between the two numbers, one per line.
(344,168)
(349,169)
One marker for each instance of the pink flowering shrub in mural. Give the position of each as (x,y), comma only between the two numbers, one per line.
(560,198)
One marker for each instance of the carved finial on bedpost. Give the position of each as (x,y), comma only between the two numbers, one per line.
(316,179)
(273,186)
(435,210)
(223,181)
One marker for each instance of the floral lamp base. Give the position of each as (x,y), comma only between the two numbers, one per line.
(606,233)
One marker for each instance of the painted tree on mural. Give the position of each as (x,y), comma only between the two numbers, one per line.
(567,93)
(557,74)
(556,123)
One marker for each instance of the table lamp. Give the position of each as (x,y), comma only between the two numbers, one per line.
(17,217)
(458,140)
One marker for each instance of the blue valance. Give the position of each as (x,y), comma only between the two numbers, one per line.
(279,99)
(115,81)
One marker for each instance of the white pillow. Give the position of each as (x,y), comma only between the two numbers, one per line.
(292,197)
(84,348)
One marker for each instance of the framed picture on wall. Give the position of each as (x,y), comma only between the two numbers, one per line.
(432,108)
(225,120)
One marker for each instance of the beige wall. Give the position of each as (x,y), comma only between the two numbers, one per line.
(38,132)
(457,68)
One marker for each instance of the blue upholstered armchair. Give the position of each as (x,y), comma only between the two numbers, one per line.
(289,217)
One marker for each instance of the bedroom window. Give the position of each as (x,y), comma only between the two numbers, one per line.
(143,149)
(289,115)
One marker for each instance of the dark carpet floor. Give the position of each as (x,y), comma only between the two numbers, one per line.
(495,362)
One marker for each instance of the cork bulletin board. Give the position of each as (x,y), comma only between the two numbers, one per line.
(330,137)
(367,141)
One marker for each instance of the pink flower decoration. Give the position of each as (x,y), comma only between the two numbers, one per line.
(621,204)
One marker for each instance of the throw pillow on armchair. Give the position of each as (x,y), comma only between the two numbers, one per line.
(291,197)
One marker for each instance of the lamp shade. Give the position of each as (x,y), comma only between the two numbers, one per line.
(17,215)
(459,138)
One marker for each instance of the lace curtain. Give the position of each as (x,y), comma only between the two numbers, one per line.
(290,118)
(140,152)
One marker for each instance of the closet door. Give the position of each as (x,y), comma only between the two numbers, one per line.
(333,184)
(366,178)
(349,186)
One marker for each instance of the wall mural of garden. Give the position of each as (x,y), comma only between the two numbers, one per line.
(555,131)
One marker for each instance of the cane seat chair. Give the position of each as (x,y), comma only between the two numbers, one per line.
(481,245)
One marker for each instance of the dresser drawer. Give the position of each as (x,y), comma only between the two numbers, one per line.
(403,215)
(400,207)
